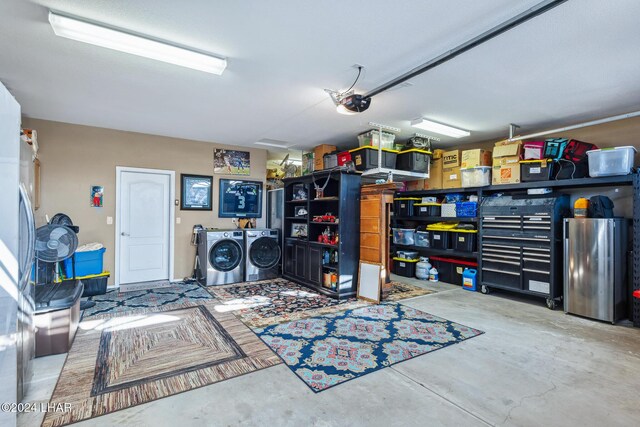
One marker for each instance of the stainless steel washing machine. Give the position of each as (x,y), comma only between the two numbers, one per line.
(221,256)
(263,254)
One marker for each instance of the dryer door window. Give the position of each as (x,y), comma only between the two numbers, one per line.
(225,255)
(264,252)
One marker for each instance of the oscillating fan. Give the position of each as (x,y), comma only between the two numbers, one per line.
(55,243)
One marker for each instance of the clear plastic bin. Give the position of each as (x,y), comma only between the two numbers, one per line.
(611,161)
(372,138)
(476,177)
(422,239)
(404,236)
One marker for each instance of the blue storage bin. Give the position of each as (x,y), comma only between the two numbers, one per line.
(87,263)
(466,209)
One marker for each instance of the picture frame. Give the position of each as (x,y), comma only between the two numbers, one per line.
(240,198)
(369,281)
(299,230)
(97,193)
(231,162)
(299,192)
(196,192)
(300,211)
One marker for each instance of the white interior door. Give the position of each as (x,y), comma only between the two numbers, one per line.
(144,225)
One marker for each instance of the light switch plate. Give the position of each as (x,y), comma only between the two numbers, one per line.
(178,220)
(109,220)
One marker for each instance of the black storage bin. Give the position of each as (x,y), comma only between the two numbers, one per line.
(439,239)
(367,158)
(537,170)
(403,206)
(414,160)
(464,241)
(404,267)
(457,268)
(426,209)
(95,286)
(444,267)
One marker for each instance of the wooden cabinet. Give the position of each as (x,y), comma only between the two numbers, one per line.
(306,256)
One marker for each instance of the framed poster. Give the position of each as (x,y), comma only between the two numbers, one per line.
(300,211)
(196,192)
(240,199)
(231,162)
(97,192)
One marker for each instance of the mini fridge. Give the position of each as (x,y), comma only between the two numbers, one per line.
(595,268)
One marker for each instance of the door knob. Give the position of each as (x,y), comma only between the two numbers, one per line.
(124,234)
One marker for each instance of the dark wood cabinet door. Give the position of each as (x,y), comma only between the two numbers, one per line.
(315,265)
(300,261)
(289,258)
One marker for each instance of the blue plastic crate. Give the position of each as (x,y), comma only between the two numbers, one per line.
(87,263)
(466,209)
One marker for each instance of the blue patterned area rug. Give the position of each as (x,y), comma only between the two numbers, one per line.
(119,302)
(328,350)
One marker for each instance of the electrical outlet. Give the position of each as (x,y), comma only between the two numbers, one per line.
(178,220)
(109,220)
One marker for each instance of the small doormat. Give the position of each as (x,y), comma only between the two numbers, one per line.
(328,350)
(157,284)
(117,362)
(268,302)
(121,302)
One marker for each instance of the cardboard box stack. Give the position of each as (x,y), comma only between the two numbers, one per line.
(318,155)
(506,162)
(451,169)
(475,158)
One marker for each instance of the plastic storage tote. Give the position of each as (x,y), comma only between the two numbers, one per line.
(404,236)
(422,238)
(372,139)
(330,160)
(466,209)
(464,240)
(611,161)
(404,267)
(87,263)
(94,285)
(533,150)
(439,239)
(343,158)
(414,160)
(537,170)
(365,158)
(476,177)
(426,209)
(403,206)
(407,254)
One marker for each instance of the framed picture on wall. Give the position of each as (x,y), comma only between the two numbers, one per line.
(196,192)
(231,162)
(240,199)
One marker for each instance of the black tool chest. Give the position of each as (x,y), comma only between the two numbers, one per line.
(521,245)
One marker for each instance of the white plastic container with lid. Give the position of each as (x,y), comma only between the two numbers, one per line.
(476,177)
(611,161)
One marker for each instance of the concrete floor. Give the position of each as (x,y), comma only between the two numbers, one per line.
(533,366)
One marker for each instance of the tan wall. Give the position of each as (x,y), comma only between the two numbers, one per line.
(75,157)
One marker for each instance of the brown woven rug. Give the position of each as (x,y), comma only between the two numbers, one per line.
(119,361)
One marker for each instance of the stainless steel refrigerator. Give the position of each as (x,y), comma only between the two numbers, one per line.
(595,271)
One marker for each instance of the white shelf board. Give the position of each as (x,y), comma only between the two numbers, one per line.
(398,175)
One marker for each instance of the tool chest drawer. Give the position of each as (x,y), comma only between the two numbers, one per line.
(492,276)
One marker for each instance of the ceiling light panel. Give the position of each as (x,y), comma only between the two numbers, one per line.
(98,35)
(439,128)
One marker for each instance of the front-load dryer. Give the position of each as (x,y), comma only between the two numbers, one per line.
(221,256)
(263,254)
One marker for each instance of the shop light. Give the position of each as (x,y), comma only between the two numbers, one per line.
(432,126)
(99,35)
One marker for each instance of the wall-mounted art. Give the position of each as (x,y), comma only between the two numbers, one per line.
(97,192)
(196,192)
(231,162)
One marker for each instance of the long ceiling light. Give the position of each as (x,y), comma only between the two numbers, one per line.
(432,126)
(100,35)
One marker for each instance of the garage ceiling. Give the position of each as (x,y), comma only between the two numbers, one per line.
(579,61)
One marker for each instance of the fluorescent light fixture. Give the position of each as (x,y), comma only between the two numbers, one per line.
(100,35)
(432,126)
(272,143)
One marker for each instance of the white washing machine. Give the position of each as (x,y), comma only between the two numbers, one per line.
(263,254)
(221,256)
